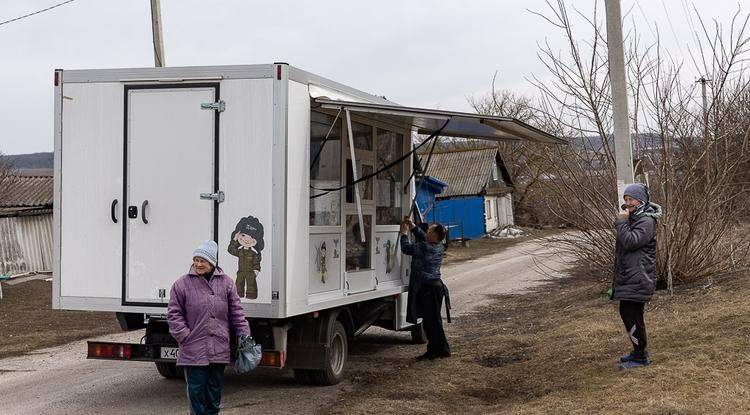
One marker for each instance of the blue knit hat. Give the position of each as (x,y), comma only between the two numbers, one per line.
(637,191)
(209,251)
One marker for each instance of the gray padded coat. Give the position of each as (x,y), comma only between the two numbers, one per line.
(635,255)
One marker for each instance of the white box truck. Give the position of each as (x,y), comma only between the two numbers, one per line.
(150,162)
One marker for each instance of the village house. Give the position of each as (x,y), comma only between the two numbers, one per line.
(467,190)
(26,225)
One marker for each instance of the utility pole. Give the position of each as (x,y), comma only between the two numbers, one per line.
(623,146)
(703,82)
(156,30)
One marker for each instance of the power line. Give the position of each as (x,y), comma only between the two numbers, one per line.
(36,12)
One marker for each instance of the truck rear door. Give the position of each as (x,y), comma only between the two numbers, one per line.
(170,144)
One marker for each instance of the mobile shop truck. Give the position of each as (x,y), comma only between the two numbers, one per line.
(150,162)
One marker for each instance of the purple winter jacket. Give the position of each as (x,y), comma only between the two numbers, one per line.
(200,314)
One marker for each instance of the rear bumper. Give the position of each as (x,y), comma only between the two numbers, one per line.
(152,353)
(127,351)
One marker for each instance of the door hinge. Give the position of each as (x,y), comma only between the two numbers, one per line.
(218,196)
(216,106)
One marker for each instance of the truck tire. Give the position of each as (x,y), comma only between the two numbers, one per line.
(169,370)
(334,372)
(418,336)
(304,376)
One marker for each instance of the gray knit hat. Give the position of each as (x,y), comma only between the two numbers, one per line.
(209,251)
(637,191)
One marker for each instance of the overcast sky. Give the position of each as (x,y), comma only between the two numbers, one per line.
(417,53)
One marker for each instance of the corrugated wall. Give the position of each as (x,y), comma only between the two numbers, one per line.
(464,216)
(25,244)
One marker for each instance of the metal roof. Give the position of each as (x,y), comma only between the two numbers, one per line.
(27,191)
(456,124)
(466,171)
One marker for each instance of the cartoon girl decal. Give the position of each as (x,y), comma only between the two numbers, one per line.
(246,243)
(321,266)
(390,256)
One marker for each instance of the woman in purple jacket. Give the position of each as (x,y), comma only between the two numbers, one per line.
(203,306)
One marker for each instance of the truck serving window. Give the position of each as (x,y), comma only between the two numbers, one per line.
(389,182)
(325,169)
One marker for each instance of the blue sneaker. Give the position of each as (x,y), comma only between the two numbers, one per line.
(634,356)
(632,364)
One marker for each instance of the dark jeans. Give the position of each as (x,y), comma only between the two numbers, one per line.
(204,385)
(430,301)
(631,313)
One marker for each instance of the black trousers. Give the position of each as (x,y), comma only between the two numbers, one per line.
(430,302)
(631,313)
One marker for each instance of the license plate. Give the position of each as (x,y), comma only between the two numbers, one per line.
(169,352)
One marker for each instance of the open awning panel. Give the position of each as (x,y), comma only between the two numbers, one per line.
(427,121)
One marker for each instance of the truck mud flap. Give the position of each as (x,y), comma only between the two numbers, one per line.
(307,356)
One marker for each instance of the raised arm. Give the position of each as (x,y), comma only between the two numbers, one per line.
(637,235)
(234,248)
(407,248)
(419,234)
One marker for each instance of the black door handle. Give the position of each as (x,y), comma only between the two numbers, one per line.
(143,212)
(112,211)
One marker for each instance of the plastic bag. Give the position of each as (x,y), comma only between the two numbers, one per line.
(248,355)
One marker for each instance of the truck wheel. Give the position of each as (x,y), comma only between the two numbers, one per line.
(169,370)
(418,336)
(334,372)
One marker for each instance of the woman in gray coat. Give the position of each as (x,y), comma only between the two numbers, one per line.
(635,267)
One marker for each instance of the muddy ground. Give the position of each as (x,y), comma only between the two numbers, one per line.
(27,321)
(554,350)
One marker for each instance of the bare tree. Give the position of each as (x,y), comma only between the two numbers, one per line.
(701,182)
(526,163)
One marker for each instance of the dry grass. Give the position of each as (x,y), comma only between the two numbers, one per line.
(555,350)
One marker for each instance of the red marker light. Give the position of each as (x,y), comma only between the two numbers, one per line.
(278,72)
(57,78)
(273,358)
(110,351)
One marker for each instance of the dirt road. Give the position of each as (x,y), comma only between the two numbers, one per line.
(61,381)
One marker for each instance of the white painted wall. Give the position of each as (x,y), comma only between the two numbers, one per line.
(505,211)
(490,213)
(498,212)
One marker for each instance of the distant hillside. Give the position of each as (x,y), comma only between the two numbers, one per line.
(35,161)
